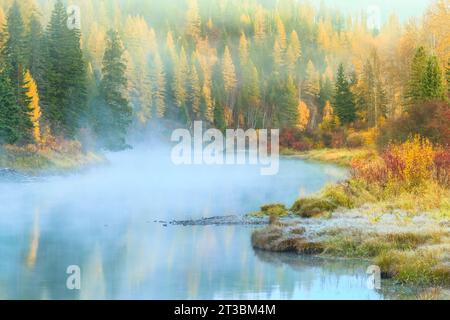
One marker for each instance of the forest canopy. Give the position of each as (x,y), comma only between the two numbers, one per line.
(288,64)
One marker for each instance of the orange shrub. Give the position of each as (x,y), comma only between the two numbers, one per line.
(411,164)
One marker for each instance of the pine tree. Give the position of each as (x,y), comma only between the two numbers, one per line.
(64,92)
(371,96)
(116,113)
(415,91)
(34,42)
(343,100)
(326,92)
(15,125)
(14,50)
(433,82)
(288,106)
(31,90)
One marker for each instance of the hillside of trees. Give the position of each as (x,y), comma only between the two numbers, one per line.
(318,74)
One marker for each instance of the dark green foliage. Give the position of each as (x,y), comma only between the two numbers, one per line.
(326,92)
(14,49)
(343,100)
(64,93)
(34,41)
(15,124)
(287,104)
(433,84)
(115,112)
(415,91)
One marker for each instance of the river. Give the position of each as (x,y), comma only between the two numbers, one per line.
(111,223)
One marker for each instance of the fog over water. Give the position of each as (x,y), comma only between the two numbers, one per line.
(102,220)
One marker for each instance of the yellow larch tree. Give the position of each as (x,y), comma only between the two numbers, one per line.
(294,52)
(329,119)
(228,71)
(281,33)
(195,90)
(243,49)
(159,92)
(304,115)
(193,20)
(259,25)
(31,91)
(180,79)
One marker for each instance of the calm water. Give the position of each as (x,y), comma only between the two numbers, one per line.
(103,222)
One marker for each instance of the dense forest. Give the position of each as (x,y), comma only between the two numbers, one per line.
(320,75)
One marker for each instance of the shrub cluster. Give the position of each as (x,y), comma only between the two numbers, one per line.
(410,165)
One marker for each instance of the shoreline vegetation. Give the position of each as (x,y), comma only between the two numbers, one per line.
(393,210)
(32,160)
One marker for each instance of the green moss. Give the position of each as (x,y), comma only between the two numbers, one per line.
(311,207)
(276,210)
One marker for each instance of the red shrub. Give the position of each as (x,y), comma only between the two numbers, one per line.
(442,166)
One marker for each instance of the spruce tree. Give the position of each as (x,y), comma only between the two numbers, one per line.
(343,100)
(116,113)
(14,50)
(288,104)
(415,91)
(64,95)
(15,125)
(34,42)
(433,84)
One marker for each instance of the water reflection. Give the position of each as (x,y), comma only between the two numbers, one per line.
(103,221)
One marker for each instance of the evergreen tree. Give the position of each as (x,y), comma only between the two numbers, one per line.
(14,51)
(34,42)
(433,82)
(326,92)
(15,124)
(415,90)
(288,105)
(116,113)
(64,93)
(371,96)
(343,100)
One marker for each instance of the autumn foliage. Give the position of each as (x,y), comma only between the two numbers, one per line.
(409,165)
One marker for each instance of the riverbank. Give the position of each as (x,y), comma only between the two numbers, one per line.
(394,210)
(34,161)
(341,157)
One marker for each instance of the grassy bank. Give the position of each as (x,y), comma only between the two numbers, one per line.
(32,160)
(394,210)
(341,157)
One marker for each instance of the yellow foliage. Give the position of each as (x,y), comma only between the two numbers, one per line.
(35,114)
(229,71)
(417,159)
(329,121)
(303,116)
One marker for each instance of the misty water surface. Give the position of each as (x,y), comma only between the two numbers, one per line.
(103,220)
